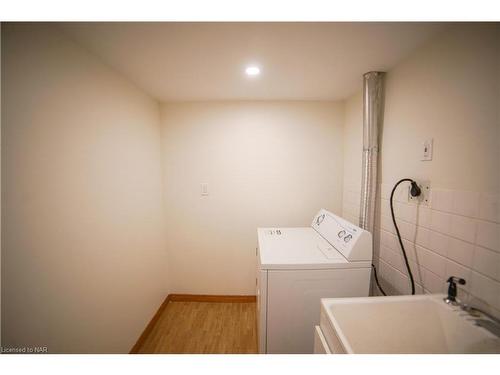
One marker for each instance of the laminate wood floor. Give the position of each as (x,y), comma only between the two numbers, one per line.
(204,327)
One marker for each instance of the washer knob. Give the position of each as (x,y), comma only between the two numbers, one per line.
(347,238)
(320,219)
(341,233)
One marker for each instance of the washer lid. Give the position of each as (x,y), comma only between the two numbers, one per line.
(298,248)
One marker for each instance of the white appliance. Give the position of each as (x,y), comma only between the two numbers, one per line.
(299,266)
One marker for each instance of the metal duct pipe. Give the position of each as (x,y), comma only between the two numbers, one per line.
(373,106)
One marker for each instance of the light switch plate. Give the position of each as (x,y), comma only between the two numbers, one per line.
(427,149)
(424,198)
(204,188)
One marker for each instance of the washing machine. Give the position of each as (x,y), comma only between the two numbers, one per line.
(296,267)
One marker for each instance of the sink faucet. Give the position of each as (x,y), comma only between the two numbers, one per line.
(451,299)
(491,324)
(475,310)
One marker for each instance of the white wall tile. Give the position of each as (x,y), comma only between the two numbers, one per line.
(385,209)
(395,260)
(410,249)
(387,224)
(438,242)
(401,193)
(419,289)
(398,278)
(442,200)
(422,237)
(433,282)
(440,222)
(460,251)
(385,272)
(466,203)
(487,262)
(416,270)
(407,212)
(432,261)
(402,282)
(443,240)
(389,256)
(488,235)
(385,191)
(463,227)
(376,253)
(389,240)
(407,230)
(486,289)
(415,267)
(424,216)
(489,207)
(378,219)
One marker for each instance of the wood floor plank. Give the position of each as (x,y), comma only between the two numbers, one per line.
(204,327)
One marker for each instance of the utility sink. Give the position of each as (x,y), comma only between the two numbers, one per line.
(401,324)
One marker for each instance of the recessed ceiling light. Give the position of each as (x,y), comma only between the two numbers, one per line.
(252,70)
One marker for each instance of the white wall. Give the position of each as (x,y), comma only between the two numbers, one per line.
(83,252)
(447,90)
(84,262)
(353,155)
(266,163)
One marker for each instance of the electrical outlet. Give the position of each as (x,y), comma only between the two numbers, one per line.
(425,197)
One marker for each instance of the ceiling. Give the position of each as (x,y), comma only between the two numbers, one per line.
(206,61)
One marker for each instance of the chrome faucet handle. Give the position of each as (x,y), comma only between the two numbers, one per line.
(452,289)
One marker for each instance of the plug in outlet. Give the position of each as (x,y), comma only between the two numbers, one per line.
(424,197)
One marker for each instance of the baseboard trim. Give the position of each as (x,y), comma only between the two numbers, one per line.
(210,298)
(185,298)
(140,341)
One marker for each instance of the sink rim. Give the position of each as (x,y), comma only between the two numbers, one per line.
(327,303)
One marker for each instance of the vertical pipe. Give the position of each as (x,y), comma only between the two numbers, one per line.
(373,101)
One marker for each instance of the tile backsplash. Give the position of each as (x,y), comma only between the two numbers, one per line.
(458,234)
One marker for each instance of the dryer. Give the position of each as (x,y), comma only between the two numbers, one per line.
(296,268)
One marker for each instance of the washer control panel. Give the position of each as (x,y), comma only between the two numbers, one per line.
(353,242)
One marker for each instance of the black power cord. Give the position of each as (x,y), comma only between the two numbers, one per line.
(376,280)
(415,192)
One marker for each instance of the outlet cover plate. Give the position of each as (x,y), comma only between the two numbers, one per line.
(424,198)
